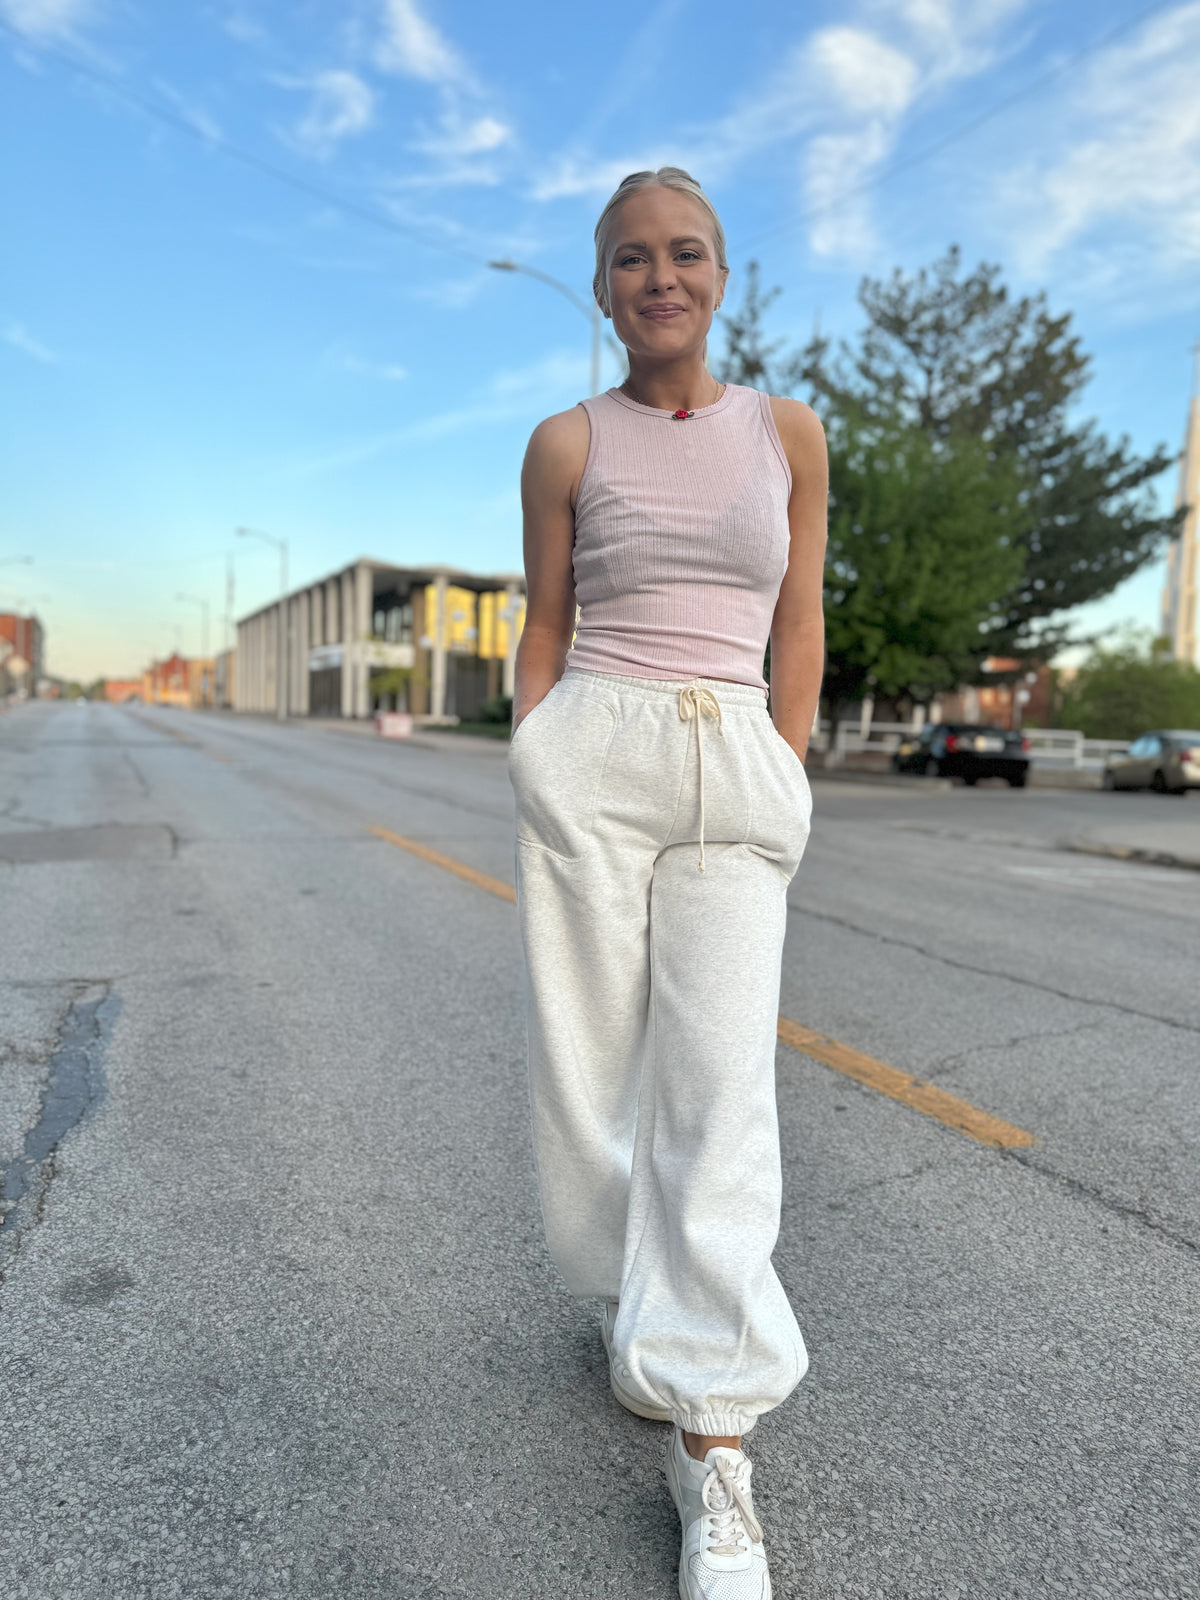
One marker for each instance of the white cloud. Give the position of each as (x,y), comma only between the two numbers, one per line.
(840,95)
(454,294)
(189,110)
(412,46)
(344,359)
(46,19)
(464,130)
(955,37)
(467,137)
(862,72)
(1123,196)
(238,25)
(528,392)
(834,165)
(341,105)
(20,338)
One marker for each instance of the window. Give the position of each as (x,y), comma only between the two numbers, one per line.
(393,619)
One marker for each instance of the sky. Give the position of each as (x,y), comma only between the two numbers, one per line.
(250,282)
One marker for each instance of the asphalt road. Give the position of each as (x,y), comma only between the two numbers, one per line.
(276,1317)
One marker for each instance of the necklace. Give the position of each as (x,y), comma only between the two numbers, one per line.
(676,416)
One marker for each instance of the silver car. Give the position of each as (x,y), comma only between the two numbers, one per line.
(1167,761)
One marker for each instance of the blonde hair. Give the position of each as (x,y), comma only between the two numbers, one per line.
(665,178)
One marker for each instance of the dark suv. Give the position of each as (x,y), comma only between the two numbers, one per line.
(966,750)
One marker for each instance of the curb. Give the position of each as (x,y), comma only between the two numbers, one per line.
(1123,852)
(882,780)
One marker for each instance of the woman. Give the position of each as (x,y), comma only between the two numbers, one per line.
(661,813)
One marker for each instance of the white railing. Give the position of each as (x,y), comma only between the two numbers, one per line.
(1048,747)
(1067,747)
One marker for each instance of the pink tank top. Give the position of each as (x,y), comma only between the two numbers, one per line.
(681,538)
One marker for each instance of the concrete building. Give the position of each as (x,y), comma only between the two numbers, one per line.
(435,641)
(224,676)
(1180,623)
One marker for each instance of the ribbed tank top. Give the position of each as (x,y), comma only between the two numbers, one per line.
(681,538)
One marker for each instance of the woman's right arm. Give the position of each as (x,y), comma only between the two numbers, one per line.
(554,464)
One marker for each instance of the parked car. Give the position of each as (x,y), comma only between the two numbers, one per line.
(966,750)
(1167,761)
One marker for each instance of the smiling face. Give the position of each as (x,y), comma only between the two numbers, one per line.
(664,282)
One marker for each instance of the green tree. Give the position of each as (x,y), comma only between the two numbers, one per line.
(955,356)
(921,553)
(923,529)
(1125,690)
(750,357)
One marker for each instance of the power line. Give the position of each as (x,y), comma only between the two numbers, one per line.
(259,164)
(905,162)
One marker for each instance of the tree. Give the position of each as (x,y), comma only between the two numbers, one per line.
(751,358)
(922,531)
(921,552)
(1125,690)
(957,358)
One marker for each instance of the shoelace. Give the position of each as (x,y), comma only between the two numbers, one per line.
(733,1521)
(696,702)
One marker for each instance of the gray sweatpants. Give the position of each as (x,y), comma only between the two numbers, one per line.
(652,987)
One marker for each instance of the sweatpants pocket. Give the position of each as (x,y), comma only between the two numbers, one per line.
(556,765)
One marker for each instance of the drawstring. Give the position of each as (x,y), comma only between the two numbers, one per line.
(697,702)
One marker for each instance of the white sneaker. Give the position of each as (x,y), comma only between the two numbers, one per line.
(723,1556)
(620,1377)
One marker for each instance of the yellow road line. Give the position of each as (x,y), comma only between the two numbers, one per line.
(902,1086)
(945,1108)
(459,868)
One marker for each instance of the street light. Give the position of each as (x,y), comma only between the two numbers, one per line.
(592,312)
(281,694)
(198,600)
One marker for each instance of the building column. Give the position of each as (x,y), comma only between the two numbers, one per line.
(437,687)
(364,597)
(346,613)
(316,614)
(510,654)
(303,636)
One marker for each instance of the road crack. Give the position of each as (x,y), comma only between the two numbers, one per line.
(1127,1209)
(991,972)
(74,1085)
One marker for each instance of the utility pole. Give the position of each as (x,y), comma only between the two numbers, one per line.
(284,629)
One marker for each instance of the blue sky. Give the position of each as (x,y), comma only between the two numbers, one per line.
(188,344)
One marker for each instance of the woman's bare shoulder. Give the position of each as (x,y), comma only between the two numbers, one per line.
(799,426)
(560,441)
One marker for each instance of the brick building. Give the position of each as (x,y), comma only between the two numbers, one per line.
(22,646)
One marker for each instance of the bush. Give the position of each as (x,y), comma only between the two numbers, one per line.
(1122,691)
(497,710)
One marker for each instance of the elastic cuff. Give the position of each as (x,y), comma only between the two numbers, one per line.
(713,1424)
